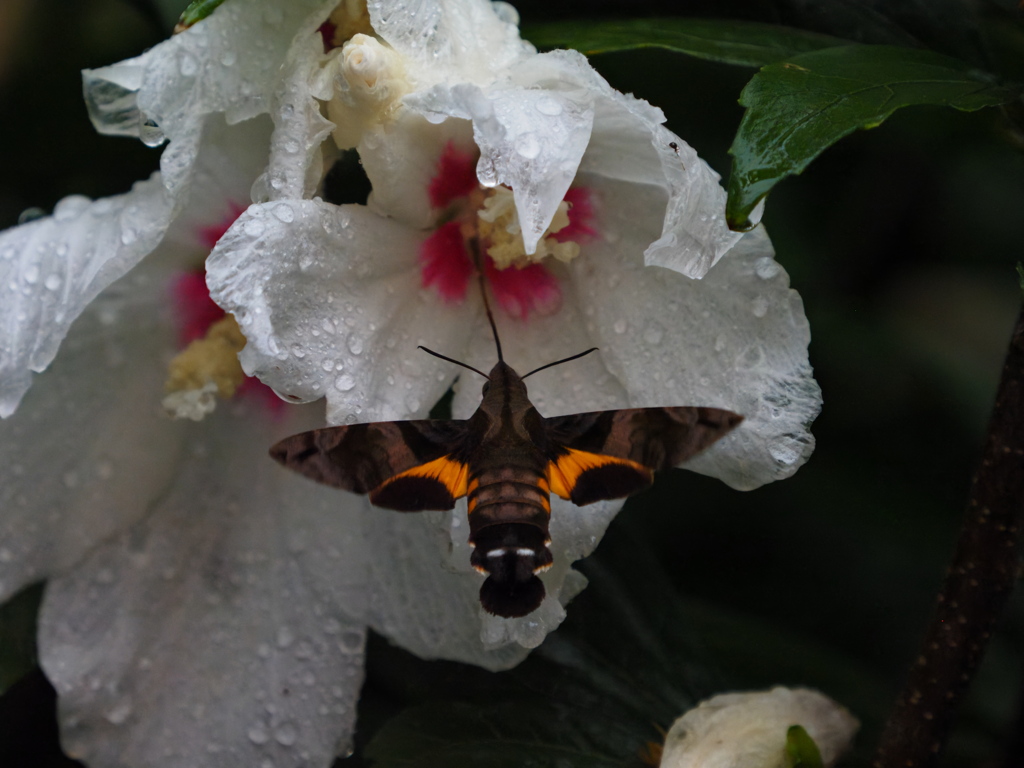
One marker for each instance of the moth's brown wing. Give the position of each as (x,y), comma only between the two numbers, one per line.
(612,454)
(405,465)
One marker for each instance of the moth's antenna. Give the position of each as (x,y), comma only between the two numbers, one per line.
(487,305)
(559,362)
(450,360)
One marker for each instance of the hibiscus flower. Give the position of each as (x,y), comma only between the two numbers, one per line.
(203,602)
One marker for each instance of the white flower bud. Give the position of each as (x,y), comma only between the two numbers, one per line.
(748,730)
(370,82)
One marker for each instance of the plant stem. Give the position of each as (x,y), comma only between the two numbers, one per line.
(982,574)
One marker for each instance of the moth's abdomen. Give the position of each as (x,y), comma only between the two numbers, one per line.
(509,508)
(508,495)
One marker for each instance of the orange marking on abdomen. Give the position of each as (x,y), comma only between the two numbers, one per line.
(508,495)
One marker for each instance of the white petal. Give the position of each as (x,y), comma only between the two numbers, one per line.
(417,599)
(232,157)
(329,299)
(88,451)
(425,593)
(401,158)
(748,730)
(198,637)
(531,137)
(629,143)
(52,268)
(461,40)
(581,385)
(231,62)
(296,162)
(736,339)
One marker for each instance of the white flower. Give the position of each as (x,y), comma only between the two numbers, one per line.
(204,606)
(748,730)
(471,141)
(223,70)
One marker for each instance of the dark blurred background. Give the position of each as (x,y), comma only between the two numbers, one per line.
(902,242)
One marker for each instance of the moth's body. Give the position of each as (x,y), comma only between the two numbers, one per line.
(508,469)
(508,493)
(507,459)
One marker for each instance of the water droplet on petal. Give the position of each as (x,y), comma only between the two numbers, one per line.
(31,275)
(119,713)
(527,145)
(350,642)
(253,227)
(257,735)
(784,450)
(759,306)
(188,65)
(344,383)
(286,734)
(620,326)
(548,105)
(766,268)
(53,282)
(284,213)
(653,333)
(285,637)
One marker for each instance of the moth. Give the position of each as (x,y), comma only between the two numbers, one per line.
(507,460)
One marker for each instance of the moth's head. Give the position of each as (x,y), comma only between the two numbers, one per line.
(504,382)
(511,554)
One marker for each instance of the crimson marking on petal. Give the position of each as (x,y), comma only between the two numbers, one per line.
(265,397)
(520,291)
(581,217)
(208,236)
(445,262)
(195,311)
(455,176)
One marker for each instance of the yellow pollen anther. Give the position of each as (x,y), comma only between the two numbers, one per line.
(499,225)
(205,367)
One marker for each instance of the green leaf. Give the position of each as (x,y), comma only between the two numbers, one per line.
(798,108)
(801,751)
(507,735)
(197,11)
(18,635)
(745,43)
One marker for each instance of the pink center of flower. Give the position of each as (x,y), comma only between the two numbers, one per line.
(195,311)
(446,255)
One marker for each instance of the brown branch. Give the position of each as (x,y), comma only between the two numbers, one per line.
(982,574)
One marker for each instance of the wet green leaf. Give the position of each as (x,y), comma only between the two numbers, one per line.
(197,11)
(798,108)
(745,43)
